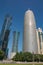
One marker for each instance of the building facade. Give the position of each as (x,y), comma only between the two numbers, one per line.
(40,40)
(15,43)
(5,33)
(29,37)
(5,41)
(6,26)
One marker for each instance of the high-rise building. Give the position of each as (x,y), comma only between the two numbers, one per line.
(6,26)
(40,40)
(7,50)
(5,34)
(30,39)
(15,43)
(5,41)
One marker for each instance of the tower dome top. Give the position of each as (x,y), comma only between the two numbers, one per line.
(29,11)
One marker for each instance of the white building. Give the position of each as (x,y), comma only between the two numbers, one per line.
(29,38)
(40,40)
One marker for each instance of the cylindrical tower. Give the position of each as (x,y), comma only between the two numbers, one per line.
(30,41)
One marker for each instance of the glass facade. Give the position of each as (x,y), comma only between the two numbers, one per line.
(15,41)
(5,41)
(6,26)
(40,35)
(39,39)
(6,53)
(5,33)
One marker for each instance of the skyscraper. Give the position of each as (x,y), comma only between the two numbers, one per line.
(29,39)
(5,34)
(5,27)
(15,43)
(40,40)
(5,41)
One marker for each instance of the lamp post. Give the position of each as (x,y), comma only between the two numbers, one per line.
(33,58)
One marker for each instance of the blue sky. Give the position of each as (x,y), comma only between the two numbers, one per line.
(17,8)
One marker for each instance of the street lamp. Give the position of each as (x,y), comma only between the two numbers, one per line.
(33,54)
